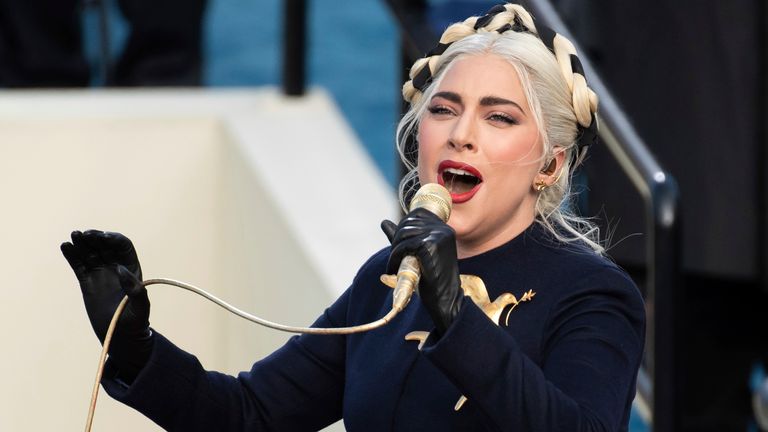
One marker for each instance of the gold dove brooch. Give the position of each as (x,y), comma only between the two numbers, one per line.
(474,287)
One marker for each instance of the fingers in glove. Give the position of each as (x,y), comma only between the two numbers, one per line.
(73,255)
(416,224)
(400,250)
(424,246)
(389,228)
(112,249)
(93,240)
(418,234)
(89,256)
(122,251)
(138,300)
(421,216)
(132,286)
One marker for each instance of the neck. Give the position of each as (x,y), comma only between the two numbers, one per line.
(468,247)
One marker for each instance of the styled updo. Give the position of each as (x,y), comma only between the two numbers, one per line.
(553,81)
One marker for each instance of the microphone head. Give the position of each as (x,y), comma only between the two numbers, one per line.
(434,198)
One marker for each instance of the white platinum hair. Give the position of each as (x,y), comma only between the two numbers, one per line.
(550,101)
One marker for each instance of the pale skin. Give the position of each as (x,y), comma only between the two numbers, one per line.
(479,115)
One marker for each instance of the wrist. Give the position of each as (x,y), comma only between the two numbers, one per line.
(446,316)
(132,355)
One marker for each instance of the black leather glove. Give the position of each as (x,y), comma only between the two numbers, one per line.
(107,268)
(422,234)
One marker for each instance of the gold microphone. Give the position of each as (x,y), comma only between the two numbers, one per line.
(436,199)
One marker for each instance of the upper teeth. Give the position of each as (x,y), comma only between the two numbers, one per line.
(458,172)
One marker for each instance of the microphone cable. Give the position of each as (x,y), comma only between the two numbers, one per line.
(399,302)
(431,196)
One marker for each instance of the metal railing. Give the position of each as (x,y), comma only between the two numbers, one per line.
(658,189)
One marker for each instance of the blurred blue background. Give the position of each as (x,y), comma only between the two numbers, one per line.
(352,52)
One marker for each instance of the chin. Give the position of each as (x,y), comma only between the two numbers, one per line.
(460,225)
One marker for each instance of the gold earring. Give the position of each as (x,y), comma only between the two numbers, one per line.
(540,185)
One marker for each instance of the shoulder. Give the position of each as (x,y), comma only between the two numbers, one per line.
(595,271)
(592,298)
(593,290)
(580,266)
(583,278)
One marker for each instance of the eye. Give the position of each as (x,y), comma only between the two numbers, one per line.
(440,110)
(503,118)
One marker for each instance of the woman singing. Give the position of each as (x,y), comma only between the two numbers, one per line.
(520,323)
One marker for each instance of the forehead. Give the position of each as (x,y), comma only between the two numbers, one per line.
(482,75)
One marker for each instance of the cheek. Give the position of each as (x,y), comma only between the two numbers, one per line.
(523,152)
(425,173)
(428,153)
(516,166)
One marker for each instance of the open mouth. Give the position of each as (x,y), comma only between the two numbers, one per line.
(461,180)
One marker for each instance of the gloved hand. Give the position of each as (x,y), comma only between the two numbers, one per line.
(107,268)
(422,234)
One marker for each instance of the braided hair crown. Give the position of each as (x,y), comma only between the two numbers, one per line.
(561,102)
(514,18)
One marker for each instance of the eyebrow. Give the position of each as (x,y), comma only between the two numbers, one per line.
(485,101)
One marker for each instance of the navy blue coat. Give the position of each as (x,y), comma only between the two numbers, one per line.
(566,361)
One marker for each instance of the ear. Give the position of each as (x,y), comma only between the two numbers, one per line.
(552,171)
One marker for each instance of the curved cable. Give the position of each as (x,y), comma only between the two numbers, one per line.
(396,308)
(431,196)
(102,362)
(254,319)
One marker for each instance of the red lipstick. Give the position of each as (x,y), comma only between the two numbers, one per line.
(459,198)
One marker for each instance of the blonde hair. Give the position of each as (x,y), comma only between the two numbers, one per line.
(559,104)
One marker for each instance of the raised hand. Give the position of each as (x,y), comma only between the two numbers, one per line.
(107,268)
(422,234)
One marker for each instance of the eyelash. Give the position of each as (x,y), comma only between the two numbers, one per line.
(442,110)
(503,118)
(439,109)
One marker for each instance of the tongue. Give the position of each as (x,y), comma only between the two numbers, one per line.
(459,184)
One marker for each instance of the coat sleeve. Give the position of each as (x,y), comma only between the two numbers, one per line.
(298,387)
(591,350)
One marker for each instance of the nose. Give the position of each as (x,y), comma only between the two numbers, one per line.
(462,135)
